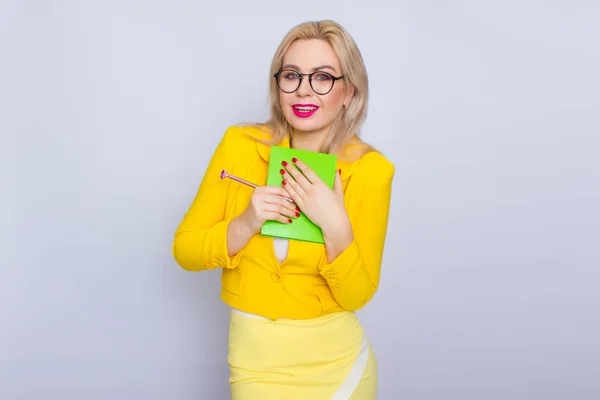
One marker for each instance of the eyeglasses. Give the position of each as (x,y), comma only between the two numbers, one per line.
(321,82)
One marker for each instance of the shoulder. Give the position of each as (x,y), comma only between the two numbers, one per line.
(366,160)
(238,139)
(375,168)
(375,160)
(245,134)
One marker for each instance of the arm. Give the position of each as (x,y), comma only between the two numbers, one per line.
(205,239)
(238,235)
(352,263)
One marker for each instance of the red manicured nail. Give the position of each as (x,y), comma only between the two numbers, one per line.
(284,163)
(294,159)
(282,171)
(284,183)
(297,214)
(298,209)
(289,220)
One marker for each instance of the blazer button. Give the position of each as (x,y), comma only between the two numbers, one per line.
(276,276)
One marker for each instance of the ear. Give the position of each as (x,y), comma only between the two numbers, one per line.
(349,95)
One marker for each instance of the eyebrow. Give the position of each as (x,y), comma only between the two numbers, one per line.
(314,69)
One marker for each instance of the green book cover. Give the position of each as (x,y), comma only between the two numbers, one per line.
(301,228)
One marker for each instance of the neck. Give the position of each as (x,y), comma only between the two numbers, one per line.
(310,141)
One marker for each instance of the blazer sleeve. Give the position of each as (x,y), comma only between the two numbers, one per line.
(200,241)
(353,276)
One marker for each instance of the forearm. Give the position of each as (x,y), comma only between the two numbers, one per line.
(203,248)
(352,265)
(349,281)
(238,236)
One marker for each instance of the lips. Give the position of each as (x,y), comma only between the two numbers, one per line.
(304,110)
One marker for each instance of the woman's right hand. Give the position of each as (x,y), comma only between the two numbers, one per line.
(269,203)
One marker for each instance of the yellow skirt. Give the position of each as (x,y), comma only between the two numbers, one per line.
(323,358)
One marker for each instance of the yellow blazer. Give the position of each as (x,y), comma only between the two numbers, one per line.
(305,285)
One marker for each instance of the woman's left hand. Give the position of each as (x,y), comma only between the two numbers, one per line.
(322,205)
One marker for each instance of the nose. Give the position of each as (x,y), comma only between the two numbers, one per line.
(304,89)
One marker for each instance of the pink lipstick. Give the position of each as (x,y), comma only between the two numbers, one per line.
(304,110)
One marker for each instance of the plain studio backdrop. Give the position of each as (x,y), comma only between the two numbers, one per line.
(110,111)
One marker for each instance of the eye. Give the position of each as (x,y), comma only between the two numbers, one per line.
(290,75)
(322,76)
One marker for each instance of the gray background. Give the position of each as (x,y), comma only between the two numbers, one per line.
(111,110)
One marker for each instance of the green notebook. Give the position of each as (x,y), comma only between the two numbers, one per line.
(324,165)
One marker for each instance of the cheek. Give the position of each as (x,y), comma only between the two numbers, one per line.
(284,99)
(334,100)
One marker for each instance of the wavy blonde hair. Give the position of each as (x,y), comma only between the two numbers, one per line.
(345,129)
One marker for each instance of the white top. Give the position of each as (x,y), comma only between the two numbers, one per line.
(281,248)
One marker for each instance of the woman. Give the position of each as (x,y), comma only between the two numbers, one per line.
(293,332)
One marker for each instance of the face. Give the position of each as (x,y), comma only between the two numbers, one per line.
(305,110)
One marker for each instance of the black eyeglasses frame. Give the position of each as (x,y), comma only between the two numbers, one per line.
(334,78)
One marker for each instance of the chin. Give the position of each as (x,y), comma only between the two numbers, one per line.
(306,125)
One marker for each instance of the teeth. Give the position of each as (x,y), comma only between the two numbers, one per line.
(306,109)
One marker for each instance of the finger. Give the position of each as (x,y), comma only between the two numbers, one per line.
(289,171)
(337,183)
(280,201)
(278,190)
(293,190)
(274,216)
(274,190)
(310,175)
(282,210)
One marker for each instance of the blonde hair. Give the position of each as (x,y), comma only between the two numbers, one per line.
(345,129)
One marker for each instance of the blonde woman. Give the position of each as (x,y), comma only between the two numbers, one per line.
(293,331)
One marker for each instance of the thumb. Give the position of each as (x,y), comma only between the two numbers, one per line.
(337,183)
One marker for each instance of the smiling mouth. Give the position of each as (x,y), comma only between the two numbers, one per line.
(303,108)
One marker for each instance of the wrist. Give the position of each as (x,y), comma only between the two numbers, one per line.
(340,228)
(338,239)
(244,227)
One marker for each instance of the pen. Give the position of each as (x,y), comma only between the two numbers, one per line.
(224,175)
